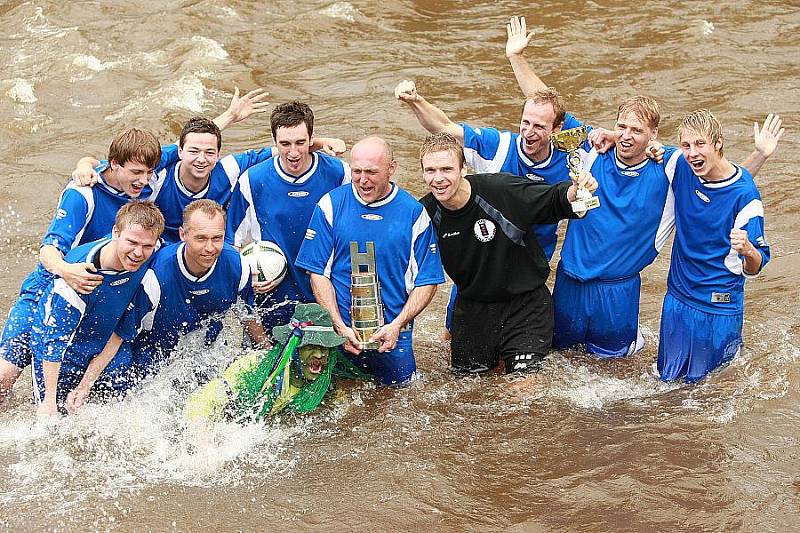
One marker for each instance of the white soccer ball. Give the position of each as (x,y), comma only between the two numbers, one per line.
(267,261)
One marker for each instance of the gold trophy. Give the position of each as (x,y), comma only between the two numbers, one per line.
(569,141)
(366,309)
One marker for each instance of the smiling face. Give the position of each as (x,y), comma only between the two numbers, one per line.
(703,155)
(443,174)
(294,144)
(633,134)
(204,236)
(535,128)
(313,360)
(371,169)
(198,153)
(130,178)
(134,246)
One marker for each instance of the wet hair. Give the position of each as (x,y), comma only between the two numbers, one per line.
(292,114)
(200,125)
(645,108)
(441,142)
(136,145)
(549,96)
(208,207)
(143,213)
(703,123)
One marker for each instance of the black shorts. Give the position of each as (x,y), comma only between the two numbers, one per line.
(518,331)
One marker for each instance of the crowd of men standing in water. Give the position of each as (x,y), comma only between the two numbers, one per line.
(142,247)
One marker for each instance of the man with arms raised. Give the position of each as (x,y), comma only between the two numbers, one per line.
(274,201)
(75,336)
(189,284)
(503,310)
(373,212)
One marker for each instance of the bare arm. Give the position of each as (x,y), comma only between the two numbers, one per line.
(752,258)
(242,107)
(518,39)
(766,142)
(326,297)
(81,277)
(77,396)
(429,116)
(256,332)
(418,299)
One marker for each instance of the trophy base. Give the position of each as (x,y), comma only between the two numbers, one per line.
(579,206)
(369,345)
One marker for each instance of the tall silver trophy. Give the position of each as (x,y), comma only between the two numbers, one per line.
(569,141)
(366,309)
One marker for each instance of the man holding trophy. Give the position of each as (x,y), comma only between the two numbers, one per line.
(503,310)
(374,263)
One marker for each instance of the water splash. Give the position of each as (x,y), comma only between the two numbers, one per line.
(22,91)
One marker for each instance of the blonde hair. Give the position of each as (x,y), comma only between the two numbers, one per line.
(208,207)
(143,213)
(703,123)
(645,108)
(549,96)
(441,142)
(136,145)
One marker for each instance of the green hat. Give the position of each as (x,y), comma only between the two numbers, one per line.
(316,324)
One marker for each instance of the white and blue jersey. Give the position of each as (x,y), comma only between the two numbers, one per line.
(272,205)
(172,197)
(406,253)
(488,150)
(73,328)
(635,218)
(172,302)
(705,272)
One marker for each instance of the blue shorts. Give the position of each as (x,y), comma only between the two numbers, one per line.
(451,306)
(601,315)
(389,368)
(16,339)
(693,343)
(115,380)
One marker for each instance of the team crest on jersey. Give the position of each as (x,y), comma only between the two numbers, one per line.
(702,196)
(297,194)
(200,292)
(484,230)
(119,282)
(61,213)
(371,216)
(534,178)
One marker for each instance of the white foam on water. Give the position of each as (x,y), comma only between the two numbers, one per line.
(22,91)
(708,27)
(342,10)
(208,48)
(39,26)
(92,63)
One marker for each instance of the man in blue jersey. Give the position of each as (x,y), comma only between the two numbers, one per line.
(76,336)
(84,214)
(191,285)
(373,209)
(274,200)
(719,240)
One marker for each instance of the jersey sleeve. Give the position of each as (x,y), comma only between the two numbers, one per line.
(236,164)
(485,149)
(537,203)
(245,293)
(145,302)
(169,156)
(64,311)
(70,220)
(754,213)
(127,327)
(242,224)
(316,252)
(426,252)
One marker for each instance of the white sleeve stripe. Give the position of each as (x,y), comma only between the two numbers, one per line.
(752,210)
(347,177)
(328,266)
(420,225)
(86,192)
(245,277)
(669,168)
(326,205)
(231,167)
(667,223)
(153,290)
(490,165)
(249,225)
(61,288)
(588,158)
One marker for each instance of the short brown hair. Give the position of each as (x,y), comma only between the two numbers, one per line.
(136,145)
(291,114)
(645,108)
(206,206)
(200,125)
(143,213)
(549,96)
(704,123)
(442,142)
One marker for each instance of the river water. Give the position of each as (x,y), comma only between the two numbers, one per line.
(592,446)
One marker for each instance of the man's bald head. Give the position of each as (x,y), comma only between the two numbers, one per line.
(371,144)
(371,168)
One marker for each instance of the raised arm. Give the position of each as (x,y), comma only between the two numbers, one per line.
(242,107)
(518,39)
(766,141)
(429,116)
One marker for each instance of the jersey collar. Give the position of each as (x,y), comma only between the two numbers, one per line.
(302,178)
(185,270)
(730,180)
(378,203)
(181,187)
(628,168)
(530,162)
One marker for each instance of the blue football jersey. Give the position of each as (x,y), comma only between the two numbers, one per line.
(406,253)
(636,215)
(488,150)
(172,302)
(705,272)
(271,205)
